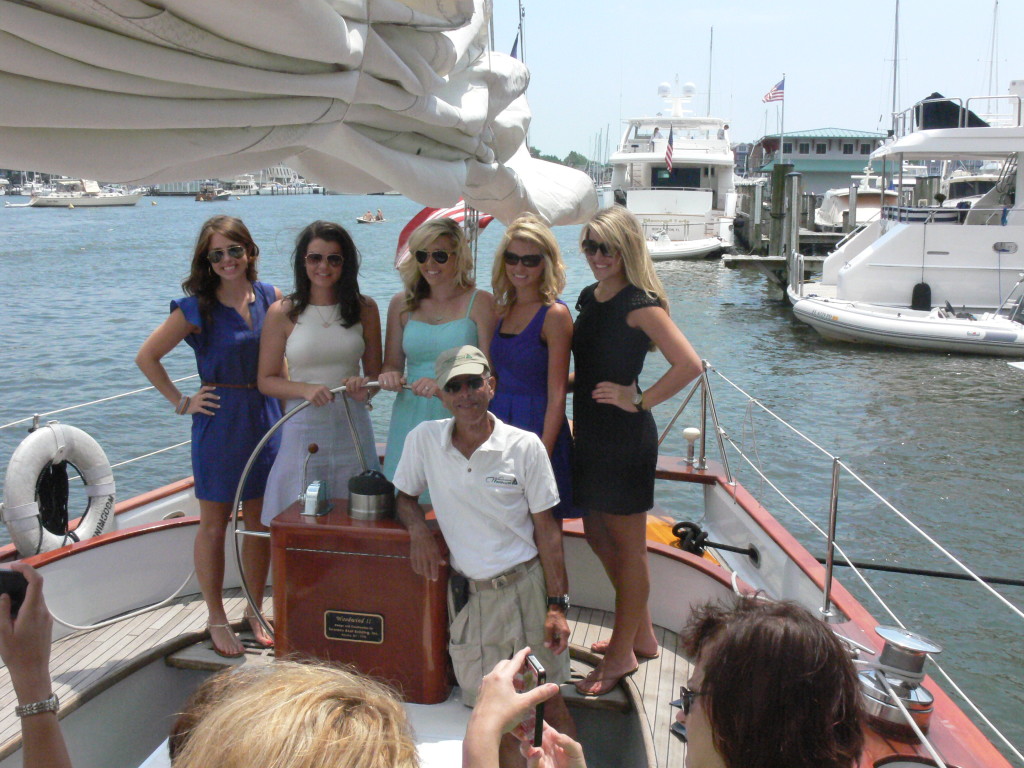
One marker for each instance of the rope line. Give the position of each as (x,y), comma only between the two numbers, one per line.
(91,402)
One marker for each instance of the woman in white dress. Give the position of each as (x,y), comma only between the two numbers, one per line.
(314,340)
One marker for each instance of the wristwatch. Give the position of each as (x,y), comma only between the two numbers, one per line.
(638,401)
(51,704)
(562,602)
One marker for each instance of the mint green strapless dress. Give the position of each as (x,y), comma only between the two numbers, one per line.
(422,343)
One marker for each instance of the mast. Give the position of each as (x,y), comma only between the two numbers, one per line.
(895,59)
(993,63)
(711,49)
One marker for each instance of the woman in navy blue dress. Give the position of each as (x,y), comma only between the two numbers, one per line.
(221,317)
(530,347)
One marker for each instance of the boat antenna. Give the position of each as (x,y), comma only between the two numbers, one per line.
(993,62)
(711,49)
(895,61)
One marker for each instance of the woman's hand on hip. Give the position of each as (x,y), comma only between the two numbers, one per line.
(610,393)
(204,401)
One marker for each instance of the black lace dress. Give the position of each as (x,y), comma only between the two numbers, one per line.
(616,452)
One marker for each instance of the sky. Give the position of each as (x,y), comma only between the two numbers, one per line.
(596,63)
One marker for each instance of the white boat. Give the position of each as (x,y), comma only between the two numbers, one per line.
(82,193)
(687,212)
(920,256)
(135,582)
(834,211)
(245,185)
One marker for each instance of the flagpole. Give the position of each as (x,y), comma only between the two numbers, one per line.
(782,126)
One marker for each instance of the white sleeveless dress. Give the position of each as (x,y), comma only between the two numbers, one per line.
(327,356)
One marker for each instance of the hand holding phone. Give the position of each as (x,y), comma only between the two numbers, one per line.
(529,677)
(13,584)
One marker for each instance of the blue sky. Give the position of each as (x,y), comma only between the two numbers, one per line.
(595,63)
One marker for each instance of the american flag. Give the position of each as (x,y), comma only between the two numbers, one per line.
(668,152)
(456,213)
(776,93)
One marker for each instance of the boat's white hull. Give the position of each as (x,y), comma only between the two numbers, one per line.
(890,326)
(666,250)
(84,201)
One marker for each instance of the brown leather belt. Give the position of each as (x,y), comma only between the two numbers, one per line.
(230,386)
(502,580)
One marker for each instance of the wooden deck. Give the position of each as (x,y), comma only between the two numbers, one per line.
(86,663)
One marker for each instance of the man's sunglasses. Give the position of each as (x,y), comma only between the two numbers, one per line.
(591,247)
(440,257)
(530,260)
(234,251)
(454,387)
(334,259)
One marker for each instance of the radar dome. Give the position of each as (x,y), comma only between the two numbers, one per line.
(664,91)
(689,90)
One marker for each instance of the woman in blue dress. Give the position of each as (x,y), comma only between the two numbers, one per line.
(221,317)
(438,309)
(531,344)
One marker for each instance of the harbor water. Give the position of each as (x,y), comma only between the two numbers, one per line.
(938,435)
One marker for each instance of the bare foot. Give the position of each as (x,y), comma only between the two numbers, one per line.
(601,647)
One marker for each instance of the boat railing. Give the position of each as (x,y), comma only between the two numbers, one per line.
(844,480)
(36,420)
(909,120)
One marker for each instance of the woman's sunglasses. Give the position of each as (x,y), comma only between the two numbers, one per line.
(591,247)
(439,257)
(334,259)
(234,251)
(686,697)
(530,260)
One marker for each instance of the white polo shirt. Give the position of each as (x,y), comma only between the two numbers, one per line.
(483,504)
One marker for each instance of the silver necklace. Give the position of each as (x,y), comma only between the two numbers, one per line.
(327,323)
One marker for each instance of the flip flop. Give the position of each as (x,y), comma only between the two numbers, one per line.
(607,684)
(257,629)
(601,647)
(213,644)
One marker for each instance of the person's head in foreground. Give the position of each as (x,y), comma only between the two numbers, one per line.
(464,377)
(295,715)
(772,687)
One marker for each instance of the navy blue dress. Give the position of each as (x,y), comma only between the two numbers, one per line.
(227,352)
(521,367)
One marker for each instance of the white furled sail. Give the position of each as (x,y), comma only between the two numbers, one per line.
(360,95)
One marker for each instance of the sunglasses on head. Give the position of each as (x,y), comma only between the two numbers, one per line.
(234,251)
(440,257)
(334,259)
(473,382)
(591,247)
(530,260)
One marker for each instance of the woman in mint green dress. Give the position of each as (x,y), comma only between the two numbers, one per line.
(438,309)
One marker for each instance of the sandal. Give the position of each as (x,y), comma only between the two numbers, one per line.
(606,684)
(213,643)
(601,647)
(259,634)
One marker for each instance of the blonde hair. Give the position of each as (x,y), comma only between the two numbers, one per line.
(416,287)
(531,229)
(620,230)
(291,714)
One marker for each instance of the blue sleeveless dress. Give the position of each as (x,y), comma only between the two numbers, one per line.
(422,343)
(521,366)
(227,352)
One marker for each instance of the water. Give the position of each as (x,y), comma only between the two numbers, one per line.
(938,435)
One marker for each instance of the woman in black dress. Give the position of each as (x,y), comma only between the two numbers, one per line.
(621,317)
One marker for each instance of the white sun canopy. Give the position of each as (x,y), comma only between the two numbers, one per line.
(358,95)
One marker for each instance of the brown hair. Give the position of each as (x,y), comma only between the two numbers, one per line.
(778,687)
(202,281)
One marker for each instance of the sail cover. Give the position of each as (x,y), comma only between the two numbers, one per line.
(358,95)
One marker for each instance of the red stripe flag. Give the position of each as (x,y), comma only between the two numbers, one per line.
(456,213)
(777,93)
(668,152)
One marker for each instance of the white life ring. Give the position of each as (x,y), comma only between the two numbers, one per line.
(54,443)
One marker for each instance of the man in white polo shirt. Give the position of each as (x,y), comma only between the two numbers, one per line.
(492,489)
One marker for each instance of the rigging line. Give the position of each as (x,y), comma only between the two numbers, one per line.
(771,413)
(151,453)
(92,402)
(927,537)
